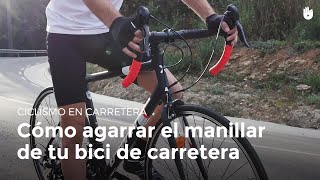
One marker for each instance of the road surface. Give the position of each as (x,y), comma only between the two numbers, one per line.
(286,152)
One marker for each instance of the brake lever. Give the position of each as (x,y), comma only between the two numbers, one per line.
(144,44)
(241,34)
(142,22)
(233,14)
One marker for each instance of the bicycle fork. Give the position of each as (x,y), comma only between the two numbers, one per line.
(194,145)
(166,116)
(172,142)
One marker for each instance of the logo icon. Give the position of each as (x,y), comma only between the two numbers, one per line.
(307,13)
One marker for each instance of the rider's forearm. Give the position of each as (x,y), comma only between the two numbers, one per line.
(201,7)
(104,10)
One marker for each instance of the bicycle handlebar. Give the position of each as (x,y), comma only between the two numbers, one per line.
(142,20)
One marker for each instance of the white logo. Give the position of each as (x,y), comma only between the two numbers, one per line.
(88,95)
(307,13)
(160,66)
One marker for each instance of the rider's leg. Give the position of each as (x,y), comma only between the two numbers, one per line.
(68,71)
(148,81)
(73,168)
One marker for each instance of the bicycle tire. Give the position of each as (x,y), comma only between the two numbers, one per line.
(37,164)
(184,110)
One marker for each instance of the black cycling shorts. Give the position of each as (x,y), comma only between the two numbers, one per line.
(67,56)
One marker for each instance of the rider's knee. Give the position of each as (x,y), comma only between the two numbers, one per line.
(71,142)
(77,124)
(177,88)
(77,121)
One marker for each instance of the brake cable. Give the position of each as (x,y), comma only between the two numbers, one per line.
(191,54)
(176,46)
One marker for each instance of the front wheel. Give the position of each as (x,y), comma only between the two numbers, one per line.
(246,166)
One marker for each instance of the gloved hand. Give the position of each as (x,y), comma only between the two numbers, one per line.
(122,30)
(213,21)
(127,36)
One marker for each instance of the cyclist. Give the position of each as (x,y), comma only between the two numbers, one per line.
(78,32)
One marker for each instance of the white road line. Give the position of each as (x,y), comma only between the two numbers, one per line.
(28,66)
(118,122)
(286,150)
(15,100)
(22,69)
(23,78)
(277,149)
(20,72)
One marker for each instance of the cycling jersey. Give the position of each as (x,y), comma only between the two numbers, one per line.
(74,17)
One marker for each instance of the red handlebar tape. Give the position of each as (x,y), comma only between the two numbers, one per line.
(223,60)
(136,66)
(133,73)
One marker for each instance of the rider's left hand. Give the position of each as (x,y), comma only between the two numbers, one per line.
(213,23)
(233,33)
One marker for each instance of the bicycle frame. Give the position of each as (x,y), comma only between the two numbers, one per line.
(161,93)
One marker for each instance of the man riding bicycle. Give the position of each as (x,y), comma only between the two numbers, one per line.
(81,31)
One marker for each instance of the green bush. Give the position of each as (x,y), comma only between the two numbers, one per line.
(228,77)
(266,47)
(317,59)
(303,46)
(276,82)
(217,91)
(313,99)
(308,30)
(201,50)
(312,80)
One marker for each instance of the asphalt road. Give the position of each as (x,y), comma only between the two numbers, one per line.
(286,152)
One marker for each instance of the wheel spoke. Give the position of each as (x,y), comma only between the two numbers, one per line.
(168,167)
(226,169)
(237,170)
(50,112)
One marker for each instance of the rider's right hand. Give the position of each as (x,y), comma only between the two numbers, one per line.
(127,36)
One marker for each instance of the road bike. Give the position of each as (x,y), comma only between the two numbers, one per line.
(247,166)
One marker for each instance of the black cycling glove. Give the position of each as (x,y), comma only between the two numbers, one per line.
(213,21)
(122,30)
